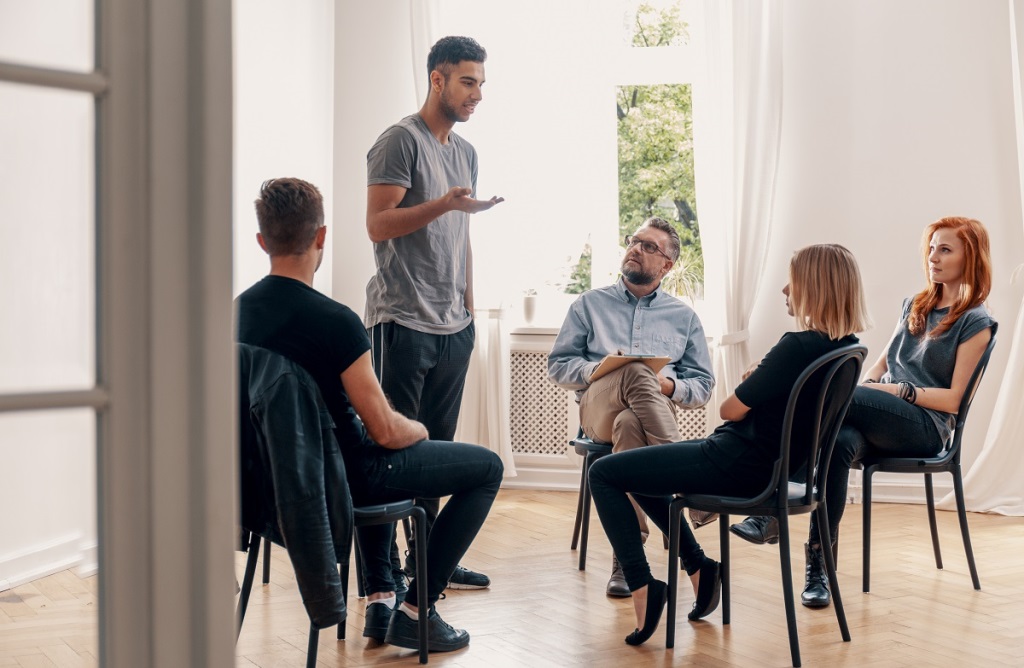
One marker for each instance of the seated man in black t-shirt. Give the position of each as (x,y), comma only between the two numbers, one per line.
(387,456)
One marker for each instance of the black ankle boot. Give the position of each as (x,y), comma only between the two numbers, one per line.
(816,593)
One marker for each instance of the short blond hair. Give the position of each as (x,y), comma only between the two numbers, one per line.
(825,291)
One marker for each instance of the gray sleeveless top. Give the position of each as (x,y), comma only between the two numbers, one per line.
(928,361)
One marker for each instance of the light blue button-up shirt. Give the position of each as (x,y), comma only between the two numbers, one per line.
(611,320)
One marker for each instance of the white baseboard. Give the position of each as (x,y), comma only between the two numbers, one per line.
(899,488)
(40,560)
(89,565)
(532,477)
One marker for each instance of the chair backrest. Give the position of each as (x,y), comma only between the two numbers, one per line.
(953,451)
(827,386)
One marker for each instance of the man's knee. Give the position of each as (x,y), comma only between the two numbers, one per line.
(627,432)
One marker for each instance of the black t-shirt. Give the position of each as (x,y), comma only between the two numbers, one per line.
(748,447)
(322,336)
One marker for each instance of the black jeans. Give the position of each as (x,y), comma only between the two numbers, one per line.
(423,376)
(469,473)
(653,475)
(877,423)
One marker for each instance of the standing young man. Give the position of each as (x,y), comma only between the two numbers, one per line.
(421,191)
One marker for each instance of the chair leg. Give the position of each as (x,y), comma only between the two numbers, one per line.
(961,511)
(585,520)
(579,504)
(675,516)
(419,518)
(830,568)
(866,561)
(929,496)
(360,588)
(723,539)
(343,624)
(266,562)
(314,636)
(250,575)
(344,583)
(787,588)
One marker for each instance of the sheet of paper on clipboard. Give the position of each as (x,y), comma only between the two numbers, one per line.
(612,362)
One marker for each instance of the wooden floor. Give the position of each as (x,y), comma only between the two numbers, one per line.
(541,611)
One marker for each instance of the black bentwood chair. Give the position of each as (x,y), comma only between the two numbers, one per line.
(947,461)
(827,385)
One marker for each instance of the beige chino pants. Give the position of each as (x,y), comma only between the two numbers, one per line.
(627,409)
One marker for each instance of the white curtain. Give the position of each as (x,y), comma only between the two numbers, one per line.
(994,483)
(424,25)
(738,115)
(484,417)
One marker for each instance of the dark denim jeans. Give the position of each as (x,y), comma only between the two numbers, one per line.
(877,423)
(469,474)
(653,475)
(423,375)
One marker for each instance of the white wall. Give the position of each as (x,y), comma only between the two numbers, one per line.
(373,88)
(894,115)
(284,115)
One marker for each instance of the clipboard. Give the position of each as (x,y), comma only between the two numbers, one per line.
(612,362)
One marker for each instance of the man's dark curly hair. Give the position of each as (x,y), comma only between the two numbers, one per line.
(451,51)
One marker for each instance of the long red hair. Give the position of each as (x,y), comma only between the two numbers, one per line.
(977,275)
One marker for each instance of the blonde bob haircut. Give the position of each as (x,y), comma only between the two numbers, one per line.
(825,291)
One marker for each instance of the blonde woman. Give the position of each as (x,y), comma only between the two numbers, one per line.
(906,403)
(825,296)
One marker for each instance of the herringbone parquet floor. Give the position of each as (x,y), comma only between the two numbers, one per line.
(541,611)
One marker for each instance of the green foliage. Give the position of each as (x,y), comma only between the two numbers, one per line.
(579,278)
(654,27)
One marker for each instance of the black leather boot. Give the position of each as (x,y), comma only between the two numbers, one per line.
(816,593)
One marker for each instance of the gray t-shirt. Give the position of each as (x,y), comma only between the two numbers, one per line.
(421,277)
(928,361)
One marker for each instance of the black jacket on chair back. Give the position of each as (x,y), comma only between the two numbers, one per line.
(292,478)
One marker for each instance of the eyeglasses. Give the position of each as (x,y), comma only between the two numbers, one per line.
(648,247)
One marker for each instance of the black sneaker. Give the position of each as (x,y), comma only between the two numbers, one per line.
(404,632)
(463,578)
(378,617)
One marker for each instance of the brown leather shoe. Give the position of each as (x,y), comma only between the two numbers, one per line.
(699,518)
(617,586)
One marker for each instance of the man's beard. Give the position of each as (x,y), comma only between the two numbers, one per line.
(449,111)
(636,276)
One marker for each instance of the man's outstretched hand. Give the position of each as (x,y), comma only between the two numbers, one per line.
(460,200)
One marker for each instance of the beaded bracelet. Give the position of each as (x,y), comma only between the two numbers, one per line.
(907,392)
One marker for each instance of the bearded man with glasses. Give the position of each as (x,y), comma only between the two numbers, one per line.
(633,406)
